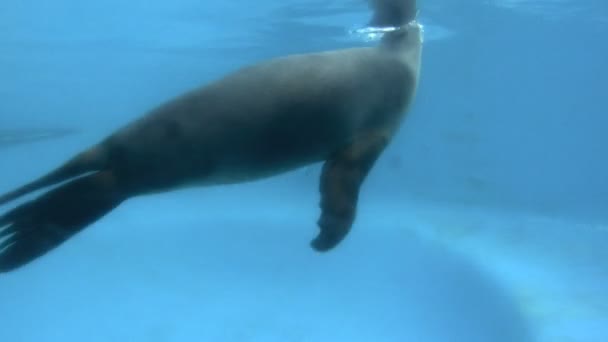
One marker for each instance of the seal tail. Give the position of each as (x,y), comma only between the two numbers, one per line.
(36,227)
(392,12)
(31,229)
(87,161)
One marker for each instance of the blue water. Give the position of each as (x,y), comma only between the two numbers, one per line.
(484,221)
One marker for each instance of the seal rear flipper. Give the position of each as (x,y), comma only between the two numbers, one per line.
(91,160)
(36,227)
(341,179)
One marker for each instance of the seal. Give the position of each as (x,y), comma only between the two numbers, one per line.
(340,107)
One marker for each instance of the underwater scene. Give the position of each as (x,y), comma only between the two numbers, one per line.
(304,170)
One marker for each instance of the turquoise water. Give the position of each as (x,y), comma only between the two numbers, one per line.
(485,220)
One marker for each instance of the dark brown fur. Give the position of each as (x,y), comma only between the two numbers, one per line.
(341,107)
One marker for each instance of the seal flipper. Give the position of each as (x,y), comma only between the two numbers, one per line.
(93,159)
(341,179)
(34,228)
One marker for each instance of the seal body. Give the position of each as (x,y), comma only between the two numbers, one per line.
(338,107)
(265,119)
